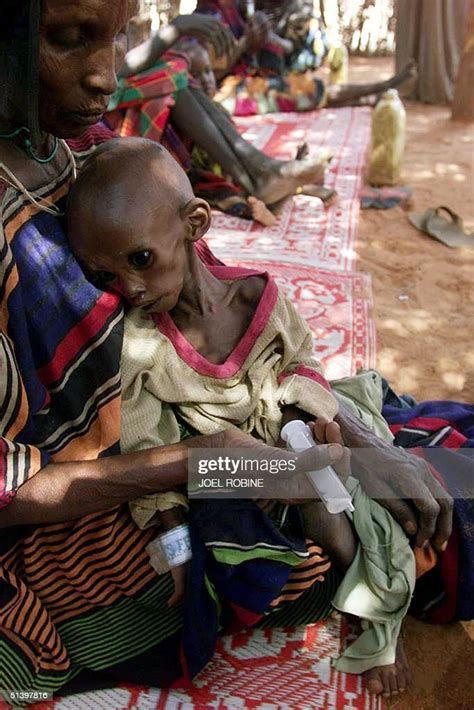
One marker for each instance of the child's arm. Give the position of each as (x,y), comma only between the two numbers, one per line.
(302,384)
(173,519)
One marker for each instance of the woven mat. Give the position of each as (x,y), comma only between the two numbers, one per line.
(280,669)
(306,232)
(336,306)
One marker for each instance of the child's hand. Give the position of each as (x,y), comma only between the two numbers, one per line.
(170,519)
(179,576)
(326,432)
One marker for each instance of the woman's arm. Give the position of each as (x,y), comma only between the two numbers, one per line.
(204,28)
(256,35)
(66,491)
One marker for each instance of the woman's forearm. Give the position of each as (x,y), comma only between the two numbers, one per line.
(144,56)
(65,491)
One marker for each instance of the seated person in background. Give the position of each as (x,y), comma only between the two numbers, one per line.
(235,203)
(256,373)
(265,76)
(154,100)
(200,69)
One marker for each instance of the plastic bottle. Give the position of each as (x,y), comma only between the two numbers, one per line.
(338,59)
(326,482)
(388,139)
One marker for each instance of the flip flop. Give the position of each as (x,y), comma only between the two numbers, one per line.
(447,231)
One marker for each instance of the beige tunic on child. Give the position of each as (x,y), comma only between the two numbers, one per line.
(272,366)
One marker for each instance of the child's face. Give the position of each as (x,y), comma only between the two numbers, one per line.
(201,70)
(148,264)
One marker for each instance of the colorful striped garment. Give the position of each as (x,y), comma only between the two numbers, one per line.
(76,594)
(79,595)
(442,433)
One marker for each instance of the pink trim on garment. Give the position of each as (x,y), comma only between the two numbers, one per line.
(303,371)
(239,355)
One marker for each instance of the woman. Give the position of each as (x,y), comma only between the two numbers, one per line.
(78,598)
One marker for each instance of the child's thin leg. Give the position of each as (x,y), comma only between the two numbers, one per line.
(335,535)
(391,680)
(333,532)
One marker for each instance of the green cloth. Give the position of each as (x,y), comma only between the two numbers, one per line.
(363,396)
(377,586)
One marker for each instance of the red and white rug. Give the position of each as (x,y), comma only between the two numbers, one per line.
(306,232)
(336,305)
(278,669)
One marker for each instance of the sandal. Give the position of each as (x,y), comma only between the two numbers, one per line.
(448,231)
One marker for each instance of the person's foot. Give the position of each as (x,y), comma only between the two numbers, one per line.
(302,151)
(283,180)
(325,194)
(390,681)
(261,213)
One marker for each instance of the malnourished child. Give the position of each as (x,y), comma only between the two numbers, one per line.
(215,347)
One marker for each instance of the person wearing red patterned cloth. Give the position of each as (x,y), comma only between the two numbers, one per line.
(154,100)
(268,72)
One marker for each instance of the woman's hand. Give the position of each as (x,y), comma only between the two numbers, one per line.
(401,482)
(326,432)
(405,485)
(290,481)
(207,29)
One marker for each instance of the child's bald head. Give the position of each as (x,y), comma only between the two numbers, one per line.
(133,206)
(122,176)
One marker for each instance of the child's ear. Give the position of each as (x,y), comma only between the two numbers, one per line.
(197,213)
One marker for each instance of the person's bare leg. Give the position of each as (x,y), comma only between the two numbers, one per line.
(327,195)
(194,122)
(390,681)
(274,179)
(351,94)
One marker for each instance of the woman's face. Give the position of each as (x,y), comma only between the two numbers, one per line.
(82,46)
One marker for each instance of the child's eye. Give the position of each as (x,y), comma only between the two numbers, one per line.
(140,259)
(101,278)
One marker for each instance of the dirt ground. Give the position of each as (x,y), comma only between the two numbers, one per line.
(425,341)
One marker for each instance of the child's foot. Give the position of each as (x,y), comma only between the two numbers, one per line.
(390,681)
(261,213)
